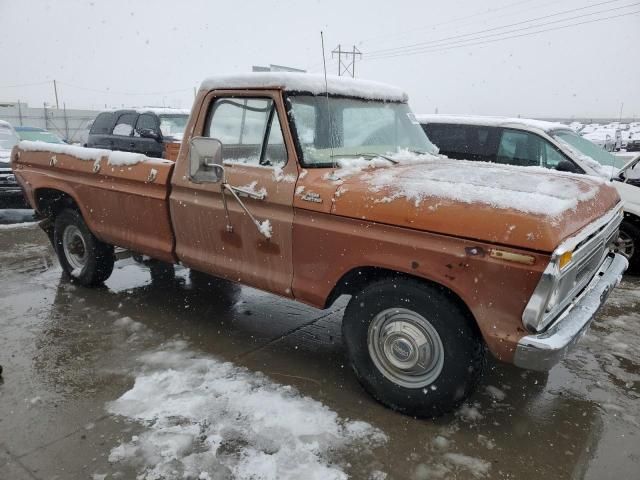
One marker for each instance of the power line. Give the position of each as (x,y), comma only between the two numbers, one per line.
(442,48)
(453,20)
(422,44)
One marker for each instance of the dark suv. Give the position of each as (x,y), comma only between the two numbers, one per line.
(152,132)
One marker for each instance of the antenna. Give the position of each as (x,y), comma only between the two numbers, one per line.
(326,91)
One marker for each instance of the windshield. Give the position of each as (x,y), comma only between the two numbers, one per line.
(7,139)
(173,125)
(356,128)
(39,135)
(587,148)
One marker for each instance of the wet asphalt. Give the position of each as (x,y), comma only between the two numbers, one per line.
(64,360)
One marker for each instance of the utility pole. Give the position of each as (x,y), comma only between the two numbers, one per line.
(20,112)
(620,117)
(66,122)
(46,117)
(345,66)
(55,90)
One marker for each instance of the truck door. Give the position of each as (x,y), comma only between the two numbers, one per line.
(260,159)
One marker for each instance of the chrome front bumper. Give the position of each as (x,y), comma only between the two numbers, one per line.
(542,351)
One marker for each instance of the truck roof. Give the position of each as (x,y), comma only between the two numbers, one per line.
(307,83)
(524,123)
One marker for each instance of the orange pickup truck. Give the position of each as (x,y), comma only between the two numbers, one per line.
(310,190)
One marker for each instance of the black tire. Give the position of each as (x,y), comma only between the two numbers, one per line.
(632,231)
(98,258)
(161,272)
(463,353)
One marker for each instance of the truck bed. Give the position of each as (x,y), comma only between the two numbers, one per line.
(123,196)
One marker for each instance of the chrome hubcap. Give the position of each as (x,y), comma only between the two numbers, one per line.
(405,347)
(625,245)
(74,247)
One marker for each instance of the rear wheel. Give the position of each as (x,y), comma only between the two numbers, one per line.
(82,256)
(412,346)
(628,244)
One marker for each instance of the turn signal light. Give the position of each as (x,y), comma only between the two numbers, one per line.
(565,259)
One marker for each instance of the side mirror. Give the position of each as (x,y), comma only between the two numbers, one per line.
(205,158)
(149,133)
(568,166)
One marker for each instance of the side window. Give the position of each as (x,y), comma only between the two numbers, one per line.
(124,125)
(102,124)
(520,148)
(242,125)
(146,121)
(463,142)
(552,157)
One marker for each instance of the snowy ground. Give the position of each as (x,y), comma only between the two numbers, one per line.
(172,379)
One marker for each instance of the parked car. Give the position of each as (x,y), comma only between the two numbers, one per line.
(518,141)
(442,259)
(633,141)
(604,139)
(155,132)
(10,191)
(38,135)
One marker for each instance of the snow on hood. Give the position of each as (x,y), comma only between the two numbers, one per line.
(307,82)
(210,419)
(527,189)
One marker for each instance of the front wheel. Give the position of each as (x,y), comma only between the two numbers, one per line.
(412,346)
(82,256)
(628,244)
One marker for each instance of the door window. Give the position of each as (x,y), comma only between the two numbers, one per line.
(520,148)
(463,142)
(249,130)
(125,123)
(102,124)
(146,122)
(551,156)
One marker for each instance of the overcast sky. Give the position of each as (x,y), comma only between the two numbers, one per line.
(110,52)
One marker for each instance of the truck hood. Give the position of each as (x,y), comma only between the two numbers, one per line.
(525,207)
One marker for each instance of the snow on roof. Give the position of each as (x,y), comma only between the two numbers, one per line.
(307,82)
(491,121)
(164,110)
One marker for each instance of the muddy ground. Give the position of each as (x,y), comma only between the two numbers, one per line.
(113,382)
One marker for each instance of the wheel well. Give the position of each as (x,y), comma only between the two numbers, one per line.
(51,202)
(358,278)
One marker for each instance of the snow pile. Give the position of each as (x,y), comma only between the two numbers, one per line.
(265,228)
(279,176)
(210,419)
(477,467)
(308,83)
(83,153)
(251,188)
(528,189)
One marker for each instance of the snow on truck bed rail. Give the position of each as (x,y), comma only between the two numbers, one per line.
(84,153)
(307,82)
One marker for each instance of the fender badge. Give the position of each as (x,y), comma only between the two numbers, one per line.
(311,197)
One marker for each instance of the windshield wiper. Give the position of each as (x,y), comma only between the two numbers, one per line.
(366,156)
